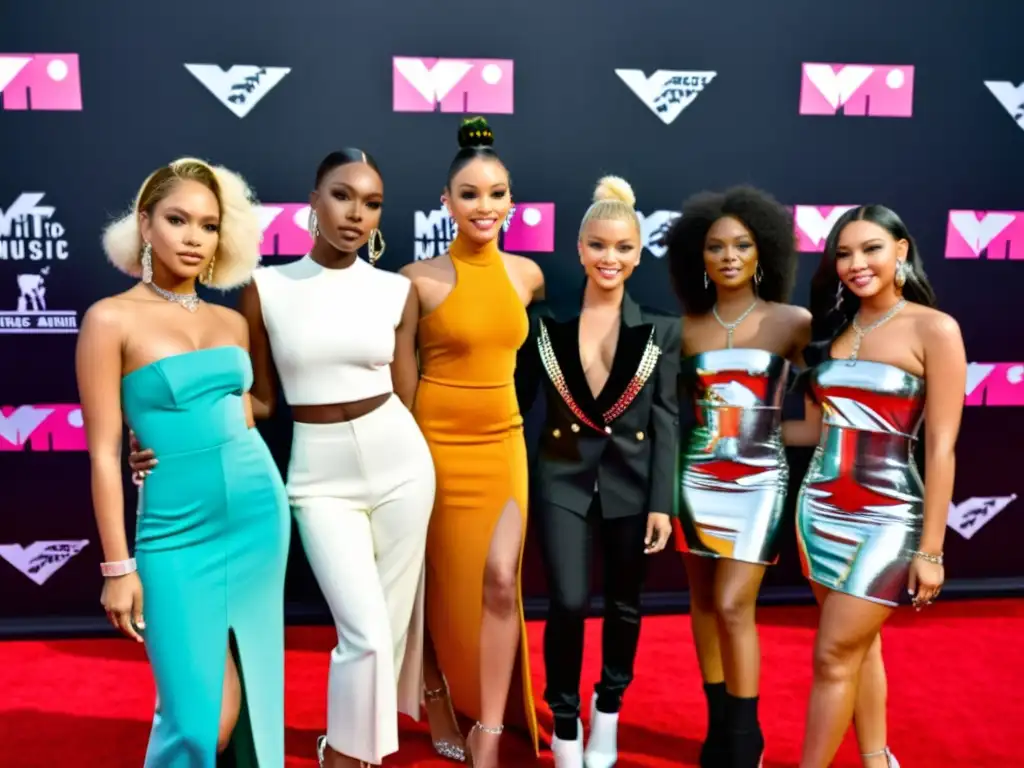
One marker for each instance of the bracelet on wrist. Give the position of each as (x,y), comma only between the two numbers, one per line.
(118,568)
(928,557)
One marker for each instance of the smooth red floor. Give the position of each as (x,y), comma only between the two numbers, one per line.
(956,694)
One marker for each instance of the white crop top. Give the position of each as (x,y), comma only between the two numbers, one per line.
(332,331)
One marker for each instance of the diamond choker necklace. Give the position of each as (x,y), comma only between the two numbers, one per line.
(189,301)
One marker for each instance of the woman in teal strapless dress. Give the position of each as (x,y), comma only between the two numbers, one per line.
(213,524)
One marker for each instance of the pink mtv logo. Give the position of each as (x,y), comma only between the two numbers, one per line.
(40,81)
(285,229)
(455,85)
(872,90)
(42,428)
(996,234)
(812,224)
(531,228)
(995,384)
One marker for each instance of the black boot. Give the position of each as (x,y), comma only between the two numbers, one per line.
(714,751)
(746,742)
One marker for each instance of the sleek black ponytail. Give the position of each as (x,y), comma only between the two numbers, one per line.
(833,307)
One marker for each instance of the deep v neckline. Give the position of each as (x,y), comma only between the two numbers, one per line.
(596,396)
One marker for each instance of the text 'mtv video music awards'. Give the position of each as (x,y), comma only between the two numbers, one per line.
(801,113)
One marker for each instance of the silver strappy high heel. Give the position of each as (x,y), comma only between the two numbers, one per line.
(443,747)
(494,730)
(321,748)
(891,761)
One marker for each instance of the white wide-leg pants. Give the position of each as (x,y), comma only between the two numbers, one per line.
(362,492)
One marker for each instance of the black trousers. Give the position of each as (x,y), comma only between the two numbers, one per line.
(567,548)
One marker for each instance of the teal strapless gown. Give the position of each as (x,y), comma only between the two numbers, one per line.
(211,546)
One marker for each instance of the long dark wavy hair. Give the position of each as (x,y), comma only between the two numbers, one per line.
(833,306)
(771,225)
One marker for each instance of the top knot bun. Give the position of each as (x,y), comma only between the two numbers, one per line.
(475,132)
(614,188)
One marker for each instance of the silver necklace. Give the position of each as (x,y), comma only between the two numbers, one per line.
(730,327)
(189,301)
(860,333)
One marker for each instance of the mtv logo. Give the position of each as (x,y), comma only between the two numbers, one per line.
(871,90)
(1010,96)
(285,229)
(812,223)
(997,234)
(434,231)
(241,87)
(653,227)
(969,517)
(531,228)
(482,86)
(42,428)
(41,81)
(667,92)
(40,560)
(995,384)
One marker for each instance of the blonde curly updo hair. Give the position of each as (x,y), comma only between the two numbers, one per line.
(239,235)
(613,199)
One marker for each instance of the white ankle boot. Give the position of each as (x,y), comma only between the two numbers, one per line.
(569,754)
(602,746)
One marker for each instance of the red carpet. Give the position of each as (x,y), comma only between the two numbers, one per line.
(955,675)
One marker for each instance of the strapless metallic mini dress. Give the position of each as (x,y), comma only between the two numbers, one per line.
(733,473)
(860,510)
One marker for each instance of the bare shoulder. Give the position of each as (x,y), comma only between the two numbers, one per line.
(430,269)
(233,318)
(107,315)
(936,326)
(528,271)
(792,315)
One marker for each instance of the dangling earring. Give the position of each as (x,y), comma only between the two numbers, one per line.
(375,245)
(705,279)
(208,278)
(147,263)
(839,295)
(901,274)
(314,225)
(758,274)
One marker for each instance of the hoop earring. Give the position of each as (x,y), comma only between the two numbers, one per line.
(314,225)
(705,279)
(375,245)
(839,295)
(901,274)
(147,263)
(758,274)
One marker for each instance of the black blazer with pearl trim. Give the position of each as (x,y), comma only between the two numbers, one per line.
(620,445)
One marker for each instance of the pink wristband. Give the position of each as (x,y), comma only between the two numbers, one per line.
(118,568)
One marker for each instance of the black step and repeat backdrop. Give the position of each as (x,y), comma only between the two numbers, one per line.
(827,105)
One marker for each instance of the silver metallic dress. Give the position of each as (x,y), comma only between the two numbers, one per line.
(733,473)
(860,509)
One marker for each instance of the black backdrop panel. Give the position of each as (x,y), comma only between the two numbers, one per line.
(826,105)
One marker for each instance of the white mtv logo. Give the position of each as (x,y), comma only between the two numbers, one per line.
(810,221)
(653,227)
(969,517)
(25,207)
(668,91)
(978,234)
(19,426)
(1010,96)
(39,561)
(838,87)
(978,372)
(240,88)
(438,81)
